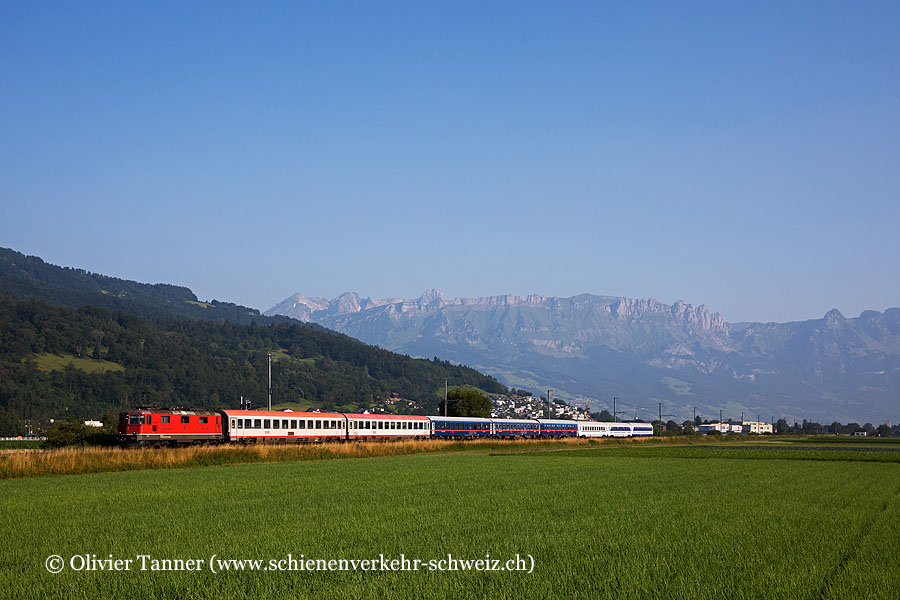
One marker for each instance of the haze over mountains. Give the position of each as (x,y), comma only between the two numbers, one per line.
(640,350)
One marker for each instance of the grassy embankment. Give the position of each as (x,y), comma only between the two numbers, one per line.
(71,461)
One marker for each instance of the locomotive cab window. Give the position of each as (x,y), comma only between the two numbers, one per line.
(136,420)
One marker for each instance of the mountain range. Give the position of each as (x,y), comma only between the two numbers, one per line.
(644,352)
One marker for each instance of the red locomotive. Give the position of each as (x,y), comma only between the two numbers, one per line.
(153,426)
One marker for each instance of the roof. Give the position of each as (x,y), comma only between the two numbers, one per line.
(167,411)
(365,417)
(282,414)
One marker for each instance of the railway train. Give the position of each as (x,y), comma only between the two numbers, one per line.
(154,426)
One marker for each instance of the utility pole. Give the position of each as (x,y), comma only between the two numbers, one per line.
(720,420)
(615,420)
(445,397)
(549,409)
(695,416)
(269,357)
(660,419)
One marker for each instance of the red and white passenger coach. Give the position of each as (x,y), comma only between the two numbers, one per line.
(283,426)
(381,427)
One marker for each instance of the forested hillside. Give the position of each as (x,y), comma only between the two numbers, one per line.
(131,343)
(29,277)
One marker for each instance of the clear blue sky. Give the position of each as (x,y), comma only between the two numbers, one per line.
(745,156)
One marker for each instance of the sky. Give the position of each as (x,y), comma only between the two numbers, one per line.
(745,156)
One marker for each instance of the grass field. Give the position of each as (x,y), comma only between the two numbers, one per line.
(619,522)
(58,362)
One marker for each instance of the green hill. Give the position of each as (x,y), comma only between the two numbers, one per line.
(78,344)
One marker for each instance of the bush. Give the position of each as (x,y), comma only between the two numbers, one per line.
(76,433)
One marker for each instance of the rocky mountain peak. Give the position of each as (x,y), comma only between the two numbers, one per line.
(432,298)
(348,302)
(834,319)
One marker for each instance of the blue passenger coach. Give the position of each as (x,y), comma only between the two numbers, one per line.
(511,428)
(460,427)
(558,428)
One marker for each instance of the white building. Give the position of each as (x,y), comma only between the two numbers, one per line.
(756,427)
(720,427)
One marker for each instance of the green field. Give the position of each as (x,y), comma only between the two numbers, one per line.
(623,522)
(59,362)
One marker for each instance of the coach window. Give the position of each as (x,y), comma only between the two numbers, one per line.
(334,425)
(276,424)
(293,423)
(257,423)
(240,424)
(185,419)
(318,424)
(393,425)
(267,424)
(309,424)
(302,424)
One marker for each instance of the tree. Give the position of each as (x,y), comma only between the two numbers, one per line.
(68,433)
(467,402)
(884,430)
(604,416)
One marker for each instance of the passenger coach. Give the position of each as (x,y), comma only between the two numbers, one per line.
(391,427)
(460,427)
(558,428)
(283,426)
(515,428)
